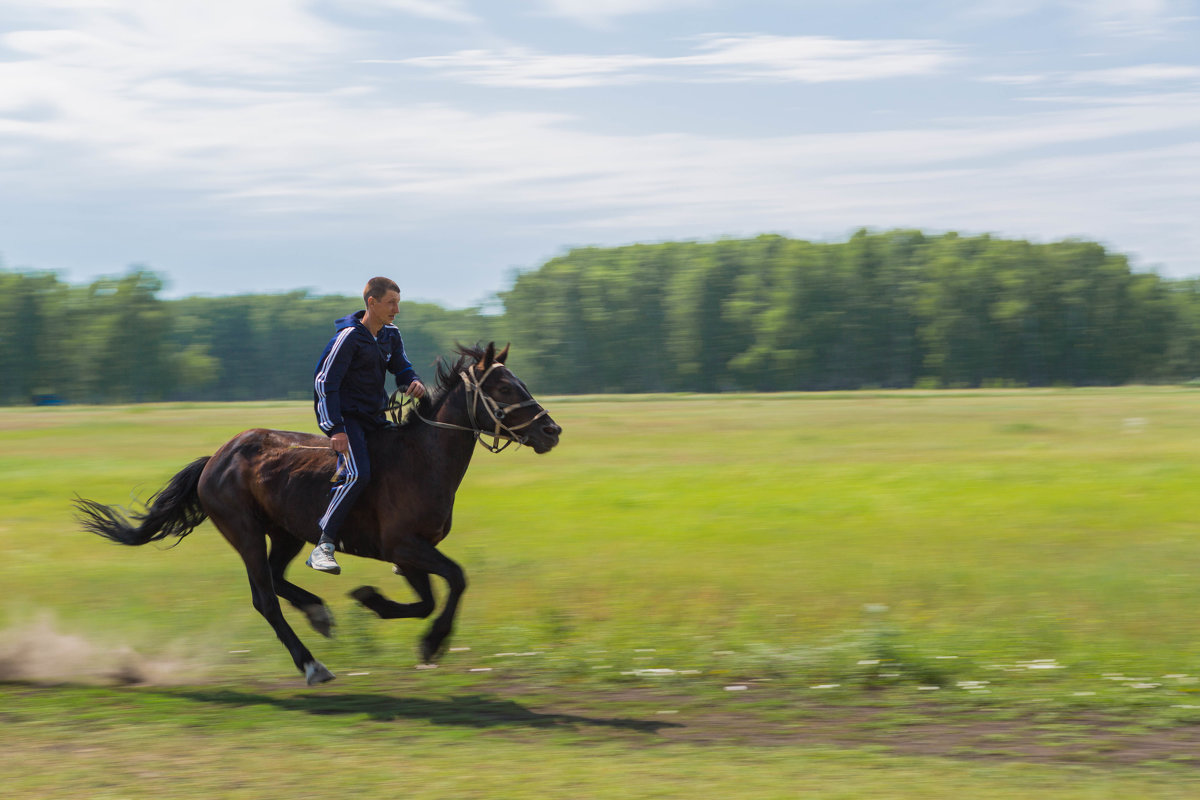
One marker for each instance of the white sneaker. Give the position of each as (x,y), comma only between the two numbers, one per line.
(321,559)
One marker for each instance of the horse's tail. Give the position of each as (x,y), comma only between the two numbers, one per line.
(173,511)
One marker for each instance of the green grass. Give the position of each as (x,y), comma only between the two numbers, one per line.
(1020,561)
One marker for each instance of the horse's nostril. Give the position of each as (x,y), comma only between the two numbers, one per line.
(552,430)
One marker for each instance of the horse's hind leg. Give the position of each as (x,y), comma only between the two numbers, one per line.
(284,548)
(253,550)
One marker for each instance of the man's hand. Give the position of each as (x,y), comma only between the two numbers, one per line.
(341,442)
(415,390)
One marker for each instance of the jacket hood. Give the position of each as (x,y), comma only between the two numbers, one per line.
(349,320)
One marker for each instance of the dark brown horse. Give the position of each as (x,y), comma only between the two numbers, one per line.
(274,485)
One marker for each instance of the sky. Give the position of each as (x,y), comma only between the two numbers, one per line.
(238,146)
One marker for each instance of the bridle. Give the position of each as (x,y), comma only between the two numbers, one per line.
(476,398)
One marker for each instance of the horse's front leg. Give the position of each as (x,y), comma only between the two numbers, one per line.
(434,640)
(418,559)
(370,597)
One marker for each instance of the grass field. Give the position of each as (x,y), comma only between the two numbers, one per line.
(899,594)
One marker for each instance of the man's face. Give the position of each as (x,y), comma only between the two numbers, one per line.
(385,308)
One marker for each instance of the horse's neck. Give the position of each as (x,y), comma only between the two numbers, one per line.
(454,446)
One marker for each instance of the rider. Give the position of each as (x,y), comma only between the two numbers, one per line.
(350,396)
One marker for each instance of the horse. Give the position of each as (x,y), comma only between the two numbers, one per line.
(274,485)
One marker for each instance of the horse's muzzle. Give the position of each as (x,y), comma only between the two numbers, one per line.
(543,436)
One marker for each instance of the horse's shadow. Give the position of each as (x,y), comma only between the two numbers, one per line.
(468,711)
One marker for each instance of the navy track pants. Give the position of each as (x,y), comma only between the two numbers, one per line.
(355,470)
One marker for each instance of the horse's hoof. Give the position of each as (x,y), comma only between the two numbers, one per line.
(364,593)
(321,618)
(315,672)
(430,653)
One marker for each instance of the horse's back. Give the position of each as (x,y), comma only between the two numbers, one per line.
(277,474)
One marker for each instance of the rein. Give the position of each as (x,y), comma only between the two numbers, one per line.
(476,397)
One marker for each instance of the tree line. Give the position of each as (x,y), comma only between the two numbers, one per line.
(894,309)
(891,309)
(116,340)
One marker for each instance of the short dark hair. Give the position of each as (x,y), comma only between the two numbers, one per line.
(378,287)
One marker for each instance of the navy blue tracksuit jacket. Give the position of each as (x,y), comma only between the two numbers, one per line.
(350,378)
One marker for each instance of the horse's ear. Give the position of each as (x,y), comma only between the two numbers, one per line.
(489,355)
(502,356)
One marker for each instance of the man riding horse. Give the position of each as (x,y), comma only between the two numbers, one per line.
(350,396)
(264,490)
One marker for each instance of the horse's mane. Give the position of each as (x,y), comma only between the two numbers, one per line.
(448,377)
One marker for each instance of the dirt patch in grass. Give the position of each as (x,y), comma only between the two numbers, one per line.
(1080,740)
(924,730)
(640,718)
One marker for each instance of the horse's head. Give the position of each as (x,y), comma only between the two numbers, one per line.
(506,409)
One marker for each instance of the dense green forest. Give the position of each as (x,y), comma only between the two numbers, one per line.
(117,341)
(890,309)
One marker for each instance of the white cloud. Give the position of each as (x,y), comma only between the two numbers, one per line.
(600,12)
(453,11)
(1137,75)
(1015,80)
(1149,19)
(719,57)
(145,83)
(134,38)
(1137,18)
(523,68)
(819,59)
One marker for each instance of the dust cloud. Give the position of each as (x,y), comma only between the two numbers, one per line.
(41,653)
